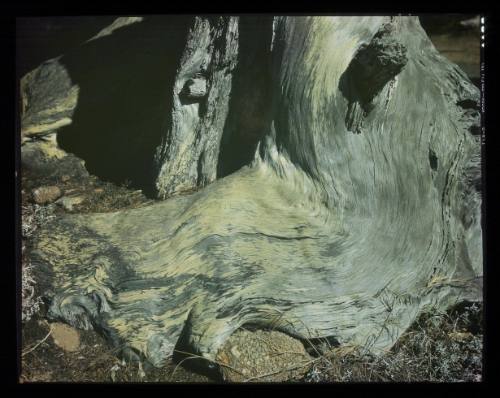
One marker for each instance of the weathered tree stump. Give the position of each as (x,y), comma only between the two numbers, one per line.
(330,231)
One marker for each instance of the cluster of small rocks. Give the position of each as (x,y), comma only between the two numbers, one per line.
(48,194)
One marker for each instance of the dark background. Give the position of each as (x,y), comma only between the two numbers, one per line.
(42,38)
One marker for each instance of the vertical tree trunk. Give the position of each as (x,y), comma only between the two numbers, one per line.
(187,157)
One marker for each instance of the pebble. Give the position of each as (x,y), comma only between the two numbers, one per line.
(46,194)
(65,336)
(262,356)
(67,202)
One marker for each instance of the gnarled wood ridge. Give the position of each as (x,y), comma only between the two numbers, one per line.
(358,207)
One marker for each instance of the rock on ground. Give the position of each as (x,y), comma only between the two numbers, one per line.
(65,336)
(262,356)
(69,201)
(46,194)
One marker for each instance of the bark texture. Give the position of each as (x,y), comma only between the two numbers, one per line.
(187,158)
(360,208)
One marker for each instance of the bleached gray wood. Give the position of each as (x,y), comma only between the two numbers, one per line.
(187,157)
(330,232)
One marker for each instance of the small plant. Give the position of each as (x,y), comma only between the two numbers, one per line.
(30,303)
(33,216)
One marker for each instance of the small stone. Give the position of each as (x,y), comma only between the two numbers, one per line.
(460,336)
(67,202)
(46,194)
(65,336)
(265,356)
(65,178)
(98,190)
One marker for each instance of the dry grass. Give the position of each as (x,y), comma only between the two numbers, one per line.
(33,216)
(30,302)
(439,347)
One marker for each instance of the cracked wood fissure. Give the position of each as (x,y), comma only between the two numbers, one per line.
(315,236)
